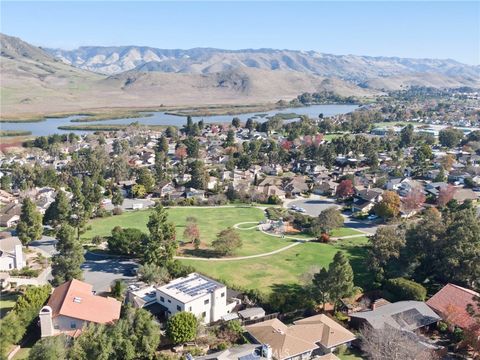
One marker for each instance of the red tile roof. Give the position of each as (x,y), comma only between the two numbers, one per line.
(75,299)
(451,303)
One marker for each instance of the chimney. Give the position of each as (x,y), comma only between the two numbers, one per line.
(46,322)
(19,257)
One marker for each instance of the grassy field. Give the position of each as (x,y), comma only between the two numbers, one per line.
(210,222)
(287,266)
(260,273)
(7,301)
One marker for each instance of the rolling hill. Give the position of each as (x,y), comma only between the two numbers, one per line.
(39,81)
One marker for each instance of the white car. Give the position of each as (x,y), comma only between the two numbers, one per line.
(301,210)
(372,217)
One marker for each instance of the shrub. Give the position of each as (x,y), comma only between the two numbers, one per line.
(182,327)
(97,240)
(404,289)
(458,334)
(117,211)
(442,326)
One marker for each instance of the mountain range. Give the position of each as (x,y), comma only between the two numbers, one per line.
(42,81)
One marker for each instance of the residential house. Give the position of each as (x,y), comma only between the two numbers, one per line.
(296,186)
(452,302)
(252,313)
(11,254)
(195,293)
(10,214)
(401,315)
(163,189)
(72,305)
(317,334)
(462,195)
(365,200)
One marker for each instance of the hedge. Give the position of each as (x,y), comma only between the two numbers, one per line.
(404,289)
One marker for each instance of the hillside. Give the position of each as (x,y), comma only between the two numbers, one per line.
(35,83)
(114,60)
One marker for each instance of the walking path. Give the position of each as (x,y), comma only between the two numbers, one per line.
(239,257)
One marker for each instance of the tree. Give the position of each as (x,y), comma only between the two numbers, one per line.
(50,348)
(181,152)
(227,242)
(191,232)
(321,284)
(450,137)
(193,147)
(345,189)
(58,211)
(385,245)
(393,344)
(199,176)
(182,327)
(66,264)
(230,140)
(250,125)
(135,336)
(139,191)
(327,220)
(146,179)
(413,200)
(340,275)
(161,245)
(445,194)
(404,289)
(79,213)
(117,197)
(153,274)
(170,132)
(441,177)
(406,136)
(236,122)
(118,289)
(389,206)
(162,145)
(447,161)
(129,241)
(29,227)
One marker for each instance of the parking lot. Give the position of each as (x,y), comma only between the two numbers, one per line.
(315,204)
(98,270)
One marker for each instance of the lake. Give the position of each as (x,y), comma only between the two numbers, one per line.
(50,126)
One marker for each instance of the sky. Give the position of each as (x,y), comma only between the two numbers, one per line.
(418,29)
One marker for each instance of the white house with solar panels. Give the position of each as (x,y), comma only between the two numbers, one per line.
(195,293)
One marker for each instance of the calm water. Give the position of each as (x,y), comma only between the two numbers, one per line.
(50,126)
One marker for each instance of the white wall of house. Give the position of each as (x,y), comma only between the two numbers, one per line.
(211,306)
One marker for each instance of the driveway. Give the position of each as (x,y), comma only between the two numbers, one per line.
(45,244)
(100,270)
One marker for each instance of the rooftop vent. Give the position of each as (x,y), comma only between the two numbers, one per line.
(77,300)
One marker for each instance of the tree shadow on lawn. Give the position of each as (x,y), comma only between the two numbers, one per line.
(203,253)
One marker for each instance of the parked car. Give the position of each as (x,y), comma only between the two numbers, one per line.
(372,217)
(301,210)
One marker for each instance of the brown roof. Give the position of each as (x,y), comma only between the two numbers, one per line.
(303,336)
(75,299)
(451,303)
(332,333)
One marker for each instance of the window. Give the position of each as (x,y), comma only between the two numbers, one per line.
(179,308)
(206,301)
(204,314)
(56,326)
(73,325)
(190,308)
(162,299)
(170,301)
(222,295)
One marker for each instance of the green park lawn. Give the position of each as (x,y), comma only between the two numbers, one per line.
(287,266)
(210,222)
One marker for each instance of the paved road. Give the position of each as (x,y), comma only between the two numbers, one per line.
(101,271)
